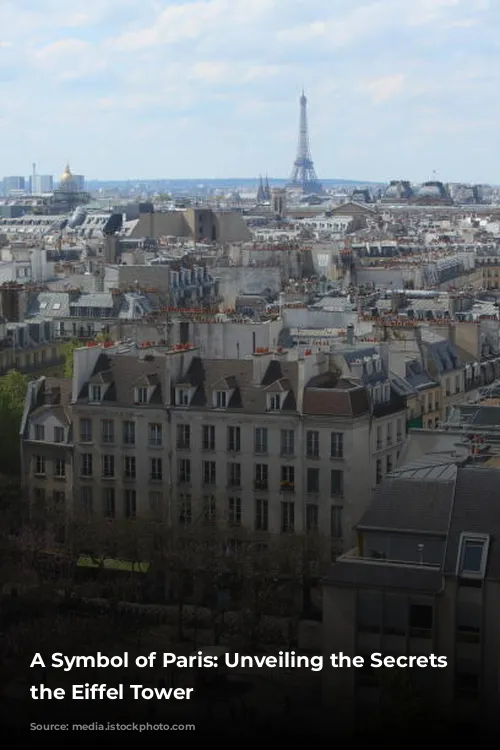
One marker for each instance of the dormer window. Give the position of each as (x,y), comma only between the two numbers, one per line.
(95,395)
(274,401)
(472,555)
(182,397)
(387,392)
(220,399)
(141,395)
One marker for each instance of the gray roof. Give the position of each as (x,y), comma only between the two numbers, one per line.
(413,503)
(442,355)
(476,510)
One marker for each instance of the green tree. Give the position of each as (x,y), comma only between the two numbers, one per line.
(67,353)
(13,387)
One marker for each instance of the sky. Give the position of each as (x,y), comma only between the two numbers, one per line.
(143,89)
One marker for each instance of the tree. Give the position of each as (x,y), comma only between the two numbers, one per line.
(13,387)
(67,353)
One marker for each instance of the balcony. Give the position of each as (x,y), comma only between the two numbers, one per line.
(287,487)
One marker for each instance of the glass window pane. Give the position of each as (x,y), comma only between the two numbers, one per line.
(472,557)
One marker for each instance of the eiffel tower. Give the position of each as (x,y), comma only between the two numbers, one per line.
(303,173)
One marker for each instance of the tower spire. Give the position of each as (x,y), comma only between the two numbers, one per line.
(303,173)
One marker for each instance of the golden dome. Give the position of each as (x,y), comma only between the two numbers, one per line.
(66,175)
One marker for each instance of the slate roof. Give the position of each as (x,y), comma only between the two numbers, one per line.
(476,510)
(122,373)
(351,356)
(466,502)
(443,356)
(411,505)
(55,397)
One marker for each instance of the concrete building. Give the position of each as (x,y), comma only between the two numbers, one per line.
(423,579)
(273,443)
(13,184)
(197,224)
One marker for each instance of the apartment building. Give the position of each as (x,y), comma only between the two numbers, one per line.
(423,579)
(274,443)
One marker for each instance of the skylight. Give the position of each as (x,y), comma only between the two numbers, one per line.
(472,555)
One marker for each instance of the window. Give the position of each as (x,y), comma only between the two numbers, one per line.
(130,504)
(87,469)
(209,472)
(234,510)
(287,517)
(261,515)
(378,471)
(260,441)
(182,397)
(287,443)
(337,445)
(40,466)
(208,437)
(184,471)
(379,437)
(472,555)
(336,522)
(421,620)
(312,444)
(155,502)
(287,483)
(313,481)
(388,462)
(184,509)
(389,433)
(156,470)
(154,435)
(59,498)
(129,433)
(60,468)
(129,467)
(469,622)
(234,439)
(108,467)
(95,394)
(336,482)
(183,436)
(58,434)
(261,481)
(312,517)
(209,510)
(234,475)
(108,501)
(107,431)
(85,430)
(39,432)
(466,684)
(274,402)
(220,400)
(141,395)
(87,500)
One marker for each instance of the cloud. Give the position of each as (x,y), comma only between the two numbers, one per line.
(193,20)
(383,89)
(227,74)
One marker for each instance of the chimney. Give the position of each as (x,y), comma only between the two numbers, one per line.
(350,334)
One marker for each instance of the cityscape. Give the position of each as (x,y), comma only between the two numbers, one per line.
(255,416)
